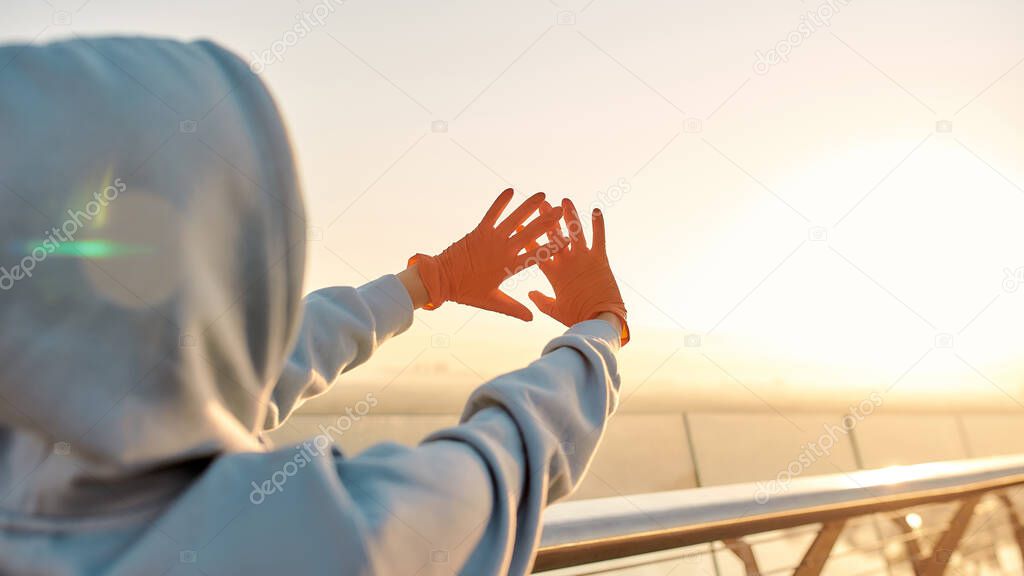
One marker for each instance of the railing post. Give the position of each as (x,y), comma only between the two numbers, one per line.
(817,554)
(1015,523)
(912,545)
(936,564)
(745,553)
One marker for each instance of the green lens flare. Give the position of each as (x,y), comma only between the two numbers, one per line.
(89,249)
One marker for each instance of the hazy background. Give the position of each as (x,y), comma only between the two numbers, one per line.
(847,221)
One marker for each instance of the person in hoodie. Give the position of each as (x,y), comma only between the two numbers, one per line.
(152,329)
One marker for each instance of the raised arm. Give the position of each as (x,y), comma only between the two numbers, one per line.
(468,500)
(474,494)
(342,326)
(477,491)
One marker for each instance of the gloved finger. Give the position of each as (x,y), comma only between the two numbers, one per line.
(555,233)
(537,228)
(544,303)
(543,258)
(597,223)
(543,209)
(535,255)
(531,246)
(557,236)
(572,221)
(491,217)
(502,303)
(520,214)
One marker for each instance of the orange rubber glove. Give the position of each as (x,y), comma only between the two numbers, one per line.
(581,277)
(471,270)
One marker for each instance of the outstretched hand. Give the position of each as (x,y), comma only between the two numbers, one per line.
(471,270)
(581,277)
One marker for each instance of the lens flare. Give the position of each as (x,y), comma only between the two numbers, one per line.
(87,249)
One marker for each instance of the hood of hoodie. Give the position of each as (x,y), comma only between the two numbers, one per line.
(152,246)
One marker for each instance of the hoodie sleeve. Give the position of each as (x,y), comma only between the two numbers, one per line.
(531,433)
(341,328)
(468,500)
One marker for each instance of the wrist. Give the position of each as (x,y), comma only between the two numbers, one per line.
(618,323)
(410,279)
(611,319)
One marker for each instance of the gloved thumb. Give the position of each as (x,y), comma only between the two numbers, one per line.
(545,303)
(502,303)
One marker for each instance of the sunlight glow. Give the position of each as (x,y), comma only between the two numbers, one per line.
(914,520)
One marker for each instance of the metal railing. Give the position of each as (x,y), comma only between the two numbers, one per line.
(585,532)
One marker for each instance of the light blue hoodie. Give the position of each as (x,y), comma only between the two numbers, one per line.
(152,328)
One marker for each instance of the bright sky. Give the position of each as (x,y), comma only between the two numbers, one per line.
(811,222)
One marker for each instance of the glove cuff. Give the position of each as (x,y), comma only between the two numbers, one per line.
(429,270)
